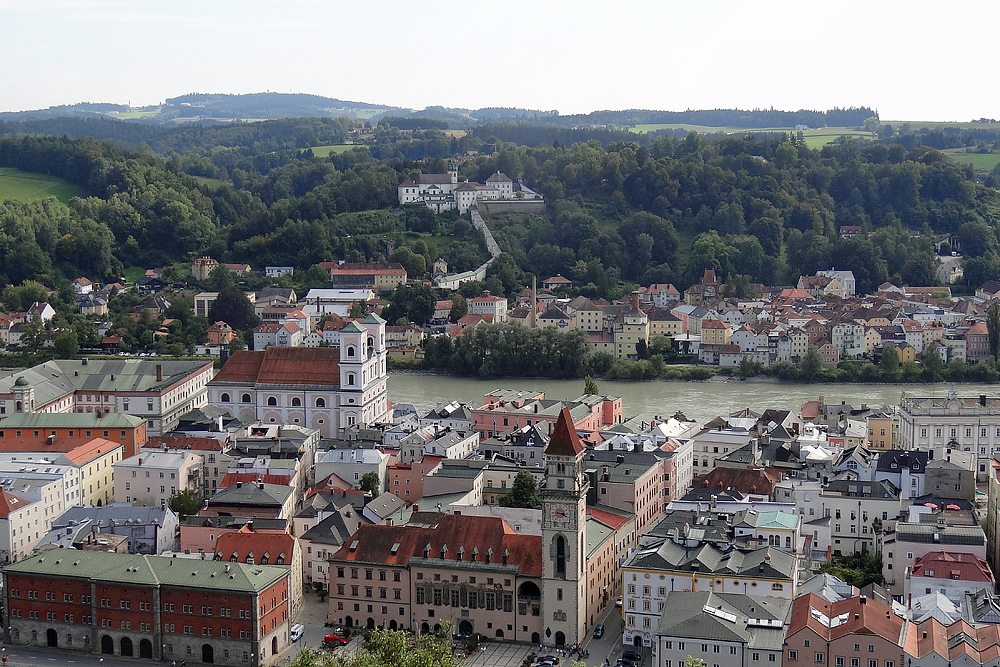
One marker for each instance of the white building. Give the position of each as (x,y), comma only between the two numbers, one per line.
(150,477)
(723,629)
(969,424)
(325,388)
(845,278)
(488,304)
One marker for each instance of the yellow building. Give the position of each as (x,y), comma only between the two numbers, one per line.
(629,330)
(96,459)
(883,431)
(715,332)
(663,323)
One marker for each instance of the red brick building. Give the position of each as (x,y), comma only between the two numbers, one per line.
(62,432)
(149,607)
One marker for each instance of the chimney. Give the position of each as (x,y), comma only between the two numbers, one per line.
(159,372)
(83,361)
(239,485)
(635,300)
(140,461)
(863,600)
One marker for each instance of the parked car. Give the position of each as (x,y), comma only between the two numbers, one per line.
(618,602)
(335,640)
(297,631)
(598,631)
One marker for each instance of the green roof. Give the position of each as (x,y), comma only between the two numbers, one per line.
(70,420)
(372,318)
(150,570)
(352,327)
(781,520)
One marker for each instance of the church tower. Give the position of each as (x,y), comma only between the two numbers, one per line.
(564,537)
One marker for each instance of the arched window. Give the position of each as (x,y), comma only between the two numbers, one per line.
(320,402)
(224,398)
(560,545)
(350,378)
(788,542)
(350,351)
(296,402)
(271,400)
(245,398)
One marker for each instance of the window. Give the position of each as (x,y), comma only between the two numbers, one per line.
(245,398)
(271,400)
(296,402)
(793,655)
(819,658)
(320,403)
(224,398)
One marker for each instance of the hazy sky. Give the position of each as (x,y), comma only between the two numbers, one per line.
(910,60)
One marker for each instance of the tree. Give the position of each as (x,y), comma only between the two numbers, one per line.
(234,308)
(693,662)
(358,309)
(811,364)
(184,503)
(589,386)
(523,493)
(993,328)
(390,648)
(66,345)
(459,308)
(370,482)
(890,364)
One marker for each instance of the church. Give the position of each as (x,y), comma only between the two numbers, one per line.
(483,575)
(325,388)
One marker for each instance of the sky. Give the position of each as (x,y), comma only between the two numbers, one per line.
(909,60)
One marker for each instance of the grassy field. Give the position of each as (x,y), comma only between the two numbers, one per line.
(324,151)
(937,125)
(816,138)
(133,273)
(139,113)
(213,183)
(25,186)
(979,161)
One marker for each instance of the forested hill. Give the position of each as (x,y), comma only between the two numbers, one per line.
(759,209)
(205,107)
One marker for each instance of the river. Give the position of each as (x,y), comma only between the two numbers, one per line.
(700,401)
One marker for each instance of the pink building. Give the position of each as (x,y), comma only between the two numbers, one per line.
(406,480)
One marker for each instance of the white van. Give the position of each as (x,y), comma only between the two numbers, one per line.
(297,631)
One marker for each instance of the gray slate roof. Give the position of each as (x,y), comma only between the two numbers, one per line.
(688,615)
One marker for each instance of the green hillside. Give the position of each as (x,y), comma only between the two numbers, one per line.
(25,186)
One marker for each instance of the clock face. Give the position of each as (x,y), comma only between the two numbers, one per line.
(561,516)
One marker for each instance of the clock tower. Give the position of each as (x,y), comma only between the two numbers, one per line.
(564,537)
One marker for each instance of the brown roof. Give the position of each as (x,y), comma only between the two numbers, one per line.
(744,480)
(375,543)
(564,440)
(283,366)
(946,565)
(188,442)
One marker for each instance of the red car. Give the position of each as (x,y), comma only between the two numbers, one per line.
(335,640)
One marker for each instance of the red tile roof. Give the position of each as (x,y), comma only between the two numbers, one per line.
(374,543)
(615,521)
(564,440)
(958,566)
(91,449)
(231,478)
(11,503)
(246,540)
(868,618)
(283,366)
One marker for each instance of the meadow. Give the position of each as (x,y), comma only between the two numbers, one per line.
(815,138)
(979,161)
(26,186)
(324,151)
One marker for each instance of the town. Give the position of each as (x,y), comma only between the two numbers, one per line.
(160,509)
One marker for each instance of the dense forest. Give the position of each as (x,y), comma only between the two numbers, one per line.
(757,208)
